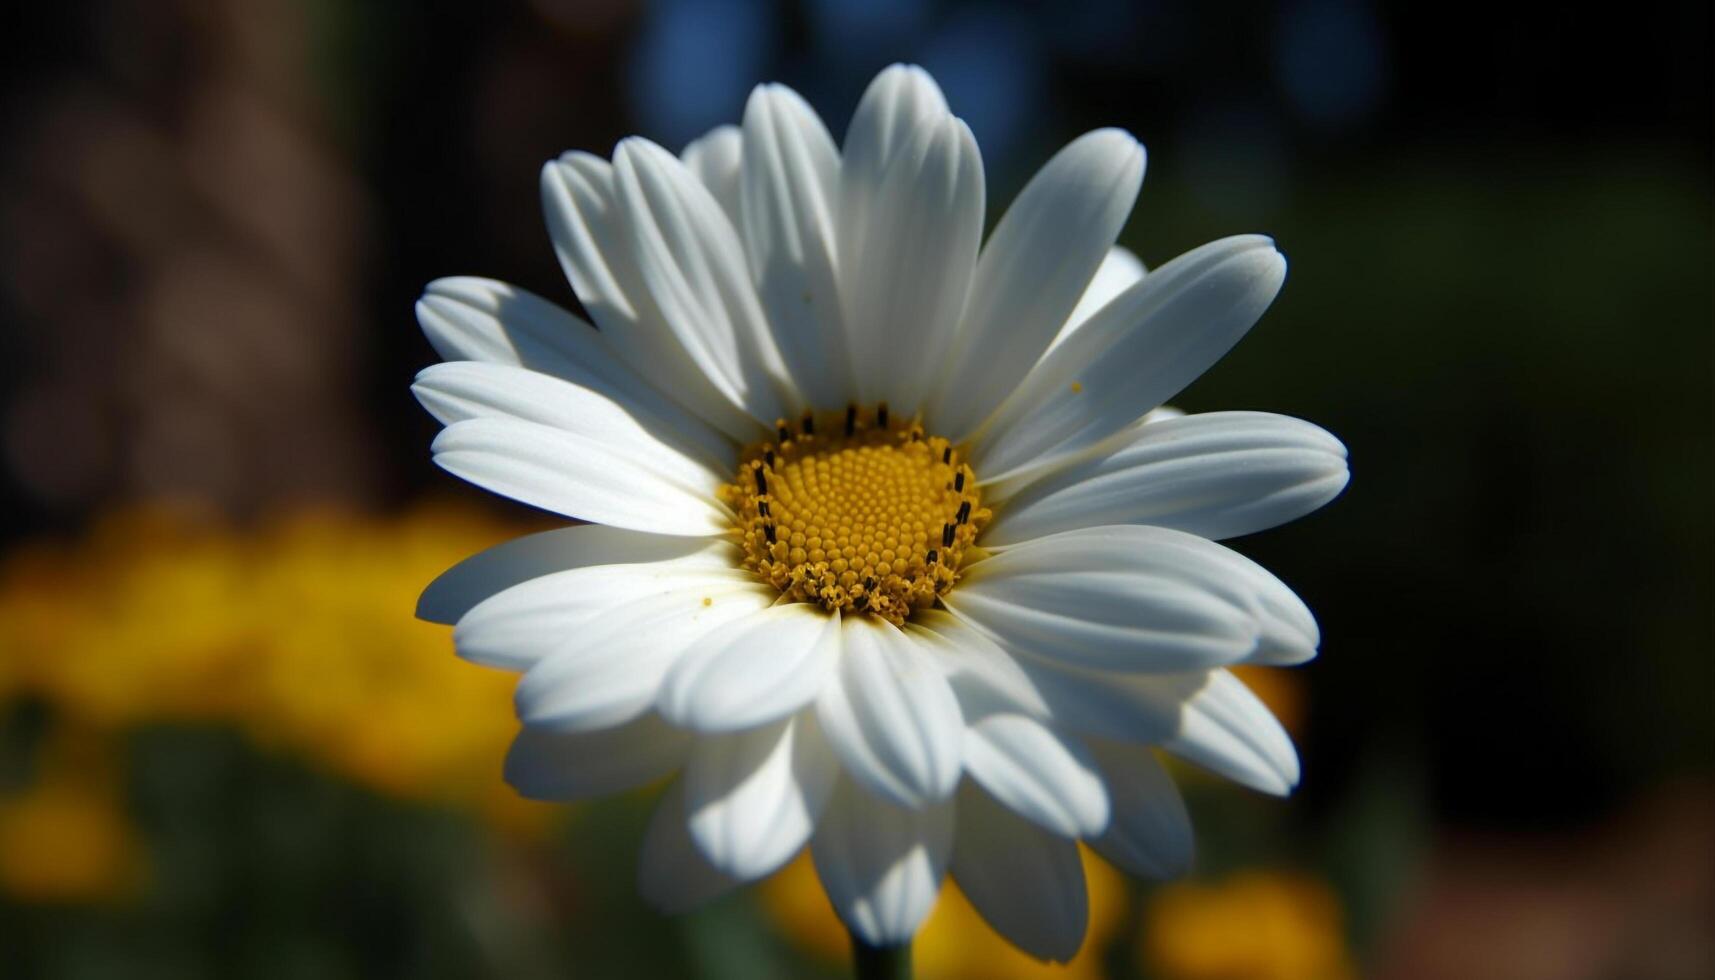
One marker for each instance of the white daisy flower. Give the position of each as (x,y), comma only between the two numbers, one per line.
(887,554)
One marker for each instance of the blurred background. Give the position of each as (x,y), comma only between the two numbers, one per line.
(227,750)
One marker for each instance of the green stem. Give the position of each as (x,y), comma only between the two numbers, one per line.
(880,962)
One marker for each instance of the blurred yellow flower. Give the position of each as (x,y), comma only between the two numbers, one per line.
(66,837)
(955,943)
(299,632)
(1253,926)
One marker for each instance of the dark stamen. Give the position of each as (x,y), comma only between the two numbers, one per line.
(946,535)
(869,585)
(769,457)
(881,415)
(851,420)
(768,532)
(761,481)
(959,481)
(947,455)
(762,508)
(933,557)
(809,425)
(861,602)
(964,512)
(782,433)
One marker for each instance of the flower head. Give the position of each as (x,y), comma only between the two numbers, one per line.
(891,552)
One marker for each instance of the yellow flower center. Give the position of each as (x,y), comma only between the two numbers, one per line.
(856,512)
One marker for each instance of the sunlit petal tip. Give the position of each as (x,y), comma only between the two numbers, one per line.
(1123,153)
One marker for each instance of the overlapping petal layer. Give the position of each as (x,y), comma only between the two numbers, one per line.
(1135,599)
(1219,475)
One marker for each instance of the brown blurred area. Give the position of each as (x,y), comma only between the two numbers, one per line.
(190,197)
(1633,899)
(184,251)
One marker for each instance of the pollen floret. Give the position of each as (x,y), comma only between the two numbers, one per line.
(856,512)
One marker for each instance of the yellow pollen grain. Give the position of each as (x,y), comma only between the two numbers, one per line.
(856,511)
(708,601)
(1077,386)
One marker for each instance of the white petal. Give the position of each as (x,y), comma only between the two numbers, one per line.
(790,192)
(880,864)
(1151,833)
(610,668)
(1035,266)
(606,570)
(905,270)
(985,678)
(1217,475)
(467,318)
(898,99)
(561,766)
(1120,270)
(576,476)
(753,671)
(482,320)
(1027,884)
(754,796)
(1002,491)
(1138,351)
(461,390)
(1038,773)
(715,159)
(1228,730)
(583,219)
(692,265)
(673,875)
(1134,598)
(890,715)
(1210,719)
(486,573)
